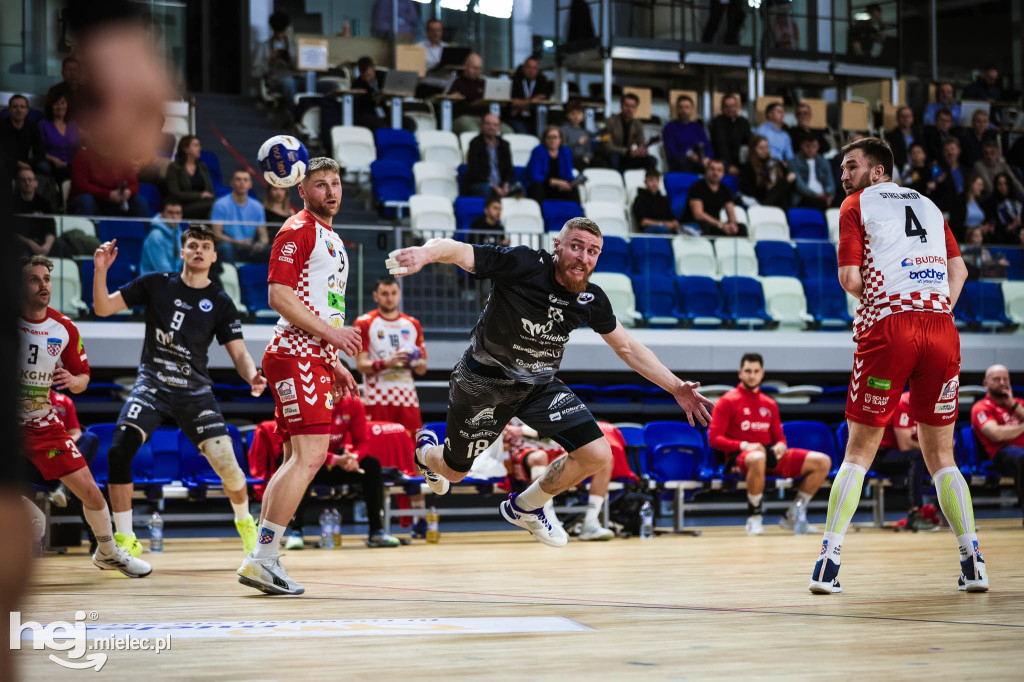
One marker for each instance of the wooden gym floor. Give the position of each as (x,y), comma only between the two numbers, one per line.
(671,608)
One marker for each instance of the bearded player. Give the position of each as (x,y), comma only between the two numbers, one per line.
(306,285)
(509,369)
(898,257)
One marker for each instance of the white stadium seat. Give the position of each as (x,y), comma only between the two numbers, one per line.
(354,149)
(604,184)
(231,285)
(694,256)
(464,140)
(785,301)
(735,257)
(521,215)
(71,222)
(832,218)
(741,215)
(1013,295)
(431,216)
(436,179)
(610,216)
(767,223)
(619,290)
(439,146)
(521,147)
(66,287)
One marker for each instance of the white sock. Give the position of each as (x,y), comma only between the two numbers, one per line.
(833,543)
(802,497)
(241,510)
(533,497)
(123,522)
(955,500)
(594,504)
(536,472)
(267,544)
(754,500)
(99,521)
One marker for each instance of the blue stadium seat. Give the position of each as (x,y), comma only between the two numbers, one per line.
(636,446)
(817,259)
(743,302)
(196,472)
(520,175)
(151,193)
(807,223)
(679,182)
(145,474)
(656,299)
(557,212)
(652,256)
(614,256)
(467,209)
(826,302)
(397,145)
(121,229)
(732,182)
(699,301)
(1015,257)
(776,259)
(677,451)
(812,436)
(212,162)
(117,277)
(252,278)
(620,393)
(966,451)
(460,175)
(392,181)
(984,303)
(678,202)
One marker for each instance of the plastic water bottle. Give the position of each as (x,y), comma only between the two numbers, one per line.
(646,520)
(156,533)
(433,531)
(336,528)
(326,534)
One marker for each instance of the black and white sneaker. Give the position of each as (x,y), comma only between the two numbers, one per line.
(121,560)
(425,438)
(268,576)
(535,521)
(973,575)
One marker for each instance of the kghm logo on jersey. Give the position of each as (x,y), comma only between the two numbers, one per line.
(53,346)
(907,262)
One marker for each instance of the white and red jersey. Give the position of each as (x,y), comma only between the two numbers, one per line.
(381,339)
(902,245)
(309,257)
(46,344)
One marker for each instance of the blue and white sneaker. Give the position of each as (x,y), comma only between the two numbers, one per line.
(824,579)
(425,438)
(535,521)
(973,576)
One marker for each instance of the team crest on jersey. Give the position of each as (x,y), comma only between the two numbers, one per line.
(289,249)
(585,298)
(380,333)
(205,305)
(765,411)
(907,262)
(330,248)
(405,332)
(53,346)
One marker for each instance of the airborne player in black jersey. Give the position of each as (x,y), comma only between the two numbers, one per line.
(184,312)
(509,369)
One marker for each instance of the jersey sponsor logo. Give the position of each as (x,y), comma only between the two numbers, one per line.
(53,346)
(205,305)
(907,262)
(286,259)
(880,384)
(286,390)
(950,389)
(329,400)
(477,434)
(904,420)
(330,248)
(556,301)
(484,416)
(982,417)
(206,413)
(289,249)
(559,399)
(925,260)
(331,281)
(555,416)
(874,399)
(178,303)
(174,381)
(537,329)
(575,408)
(585,298)
(765,412)
(929,275)
(747,425)
(945,408)
(336,301)
(290,410)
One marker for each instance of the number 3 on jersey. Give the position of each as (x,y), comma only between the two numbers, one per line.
(913,227)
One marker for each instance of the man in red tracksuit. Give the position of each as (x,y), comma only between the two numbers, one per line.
(746,429)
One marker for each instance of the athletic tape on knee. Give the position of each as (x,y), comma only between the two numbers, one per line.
(221,455)
(126,441)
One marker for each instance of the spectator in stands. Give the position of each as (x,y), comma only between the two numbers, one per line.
(765,178)
(274,61)
(803,130)
(979,259)
(433,46)
(687,146)
(902,137)
(778,139)
(998,423)
(986,87)
(622,141)
(240,242)
(917,174)
(814,187)
(59,136)
(36,235)
(69,86)
(277,208)
(549,171)
(990,165)
(746,432)
(489,166)
(469,86)
(104,188)
(188,179)
(729,132)
(384,25)
(716,10)
(652,210)
(20,142)
(943,100)
(161,249)
(970,211)
(899,453)
(529,85)
(487,228)
(972,139)
(867,36)
(705,201)
(948,176)
(576,137)
(936,136)
(1004,206)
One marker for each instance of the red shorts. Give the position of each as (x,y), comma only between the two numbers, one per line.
(52,450)
(406,415)
(790,465)
(516,462)
(303,401)
(920,347)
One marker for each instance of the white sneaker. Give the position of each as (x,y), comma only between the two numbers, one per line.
(426,438)
(795,519)
(268,576)
(120,560)
(535,521)
(973,566)
(755,526)
(590,533)
(59,497)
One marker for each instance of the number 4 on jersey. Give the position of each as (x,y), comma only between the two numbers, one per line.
(913,227)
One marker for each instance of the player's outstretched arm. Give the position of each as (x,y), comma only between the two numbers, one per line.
(409,261)
(104,302)
(245,366)
(640,358)
(283,300)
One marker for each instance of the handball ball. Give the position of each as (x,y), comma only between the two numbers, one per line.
(283,160)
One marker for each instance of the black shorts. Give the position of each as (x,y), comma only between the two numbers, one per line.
(481,401)
(197,414)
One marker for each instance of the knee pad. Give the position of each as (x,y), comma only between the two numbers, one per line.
(126,442)
(221,455)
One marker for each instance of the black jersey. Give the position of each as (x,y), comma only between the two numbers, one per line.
(180,324)
(526,323)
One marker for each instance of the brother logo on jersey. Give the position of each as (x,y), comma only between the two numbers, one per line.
(929,275)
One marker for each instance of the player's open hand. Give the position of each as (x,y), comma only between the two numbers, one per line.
(258,384)
(105,255)
(346,339)
(693,403)
(344,384)
(62,379)
(398,359)
(405,262)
